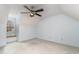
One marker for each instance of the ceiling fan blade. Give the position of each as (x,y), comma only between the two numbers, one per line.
(38,14)
(40,10)
(24,12)
(28,8)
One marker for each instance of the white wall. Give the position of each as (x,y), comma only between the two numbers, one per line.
(26,33)
(60,28)
(4,9)
(27,27)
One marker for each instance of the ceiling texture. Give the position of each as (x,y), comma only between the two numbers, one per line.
(49,10)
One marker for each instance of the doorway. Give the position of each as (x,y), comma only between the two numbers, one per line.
(11,30)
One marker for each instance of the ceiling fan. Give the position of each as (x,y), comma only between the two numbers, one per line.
(33,12)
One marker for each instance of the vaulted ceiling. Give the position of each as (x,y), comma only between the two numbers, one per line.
(49,10)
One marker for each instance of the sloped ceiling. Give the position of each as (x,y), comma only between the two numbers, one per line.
(71,10)
(49,9)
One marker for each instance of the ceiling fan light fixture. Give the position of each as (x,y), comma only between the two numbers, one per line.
(31,15)
(33,12)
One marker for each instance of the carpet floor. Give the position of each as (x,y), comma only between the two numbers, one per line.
(38,46)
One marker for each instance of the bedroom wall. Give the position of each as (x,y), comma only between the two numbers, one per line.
(61,29)
(27,27)
(4,9)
